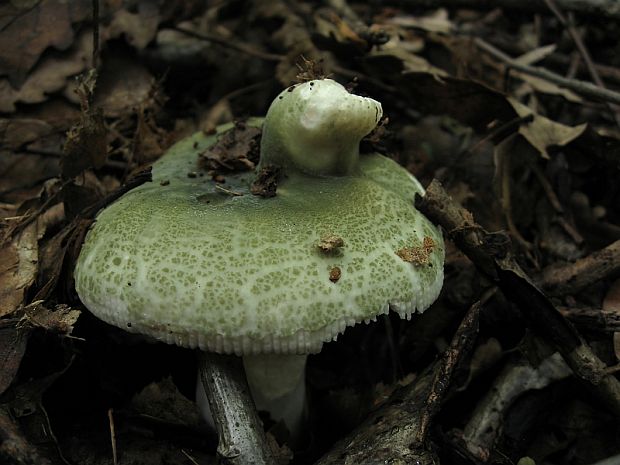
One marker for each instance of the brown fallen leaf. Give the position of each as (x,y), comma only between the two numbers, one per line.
(235,150)
(16,133)
(395,57)
(544,133)
(32,28)
(18,268)
(13,344)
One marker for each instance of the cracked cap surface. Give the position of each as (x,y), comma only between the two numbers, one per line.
(189,264)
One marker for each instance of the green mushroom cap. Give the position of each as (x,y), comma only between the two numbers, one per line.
(191,264)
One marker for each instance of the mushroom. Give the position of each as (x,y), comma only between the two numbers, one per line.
(270,279)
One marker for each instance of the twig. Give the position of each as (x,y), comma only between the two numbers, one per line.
(601,8)
(576,276)
(112,436)
(577,40)
(397,430)
(582,87)
(221,188)
(242,440)
(583,51)
(243,48)
(491,255)
(593,319)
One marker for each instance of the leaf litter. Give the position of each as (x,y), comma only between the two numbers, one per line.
(453,107)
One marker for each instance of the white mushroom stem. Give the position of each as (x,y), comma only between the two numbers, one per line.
(278,386)
(316,128)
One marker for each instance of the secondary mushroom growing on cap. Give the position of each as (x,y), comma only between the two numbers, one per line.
(268,278)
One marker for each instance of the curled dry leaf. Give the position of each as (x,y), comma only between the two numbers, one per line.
(543,133)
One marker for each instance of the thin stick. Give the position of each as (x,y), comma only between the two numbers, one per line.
(228,191)
(582,87)
(243,48)
(112,436)
(583,51)
(95,33)
(576,276)
(602,8)
(189,457)
(242,440)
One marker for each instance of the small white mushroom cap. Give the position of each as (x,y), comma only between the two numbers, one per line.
(191,265)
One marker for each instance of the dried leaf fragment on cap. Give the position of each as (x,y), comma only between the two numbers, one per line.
(235,150)
(330,243)
(418,255)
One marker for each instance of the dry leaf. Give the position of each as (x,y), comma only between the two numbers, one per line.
(25,170)
(405,61)
(33,29)
(59,321)
(139,28)
(235,150)
(18,268)
(542,132)
(544,86)
(47,77)
(16,133)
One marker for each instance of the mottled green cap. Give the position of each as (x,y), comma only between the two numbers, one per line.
(190,264)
